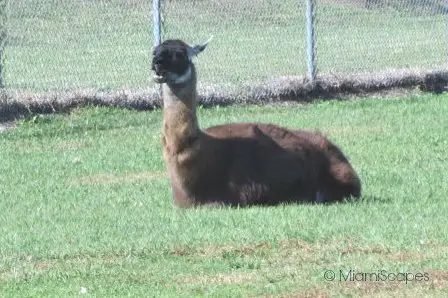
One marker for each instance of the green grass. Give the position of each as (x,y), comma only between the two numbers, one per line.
(85,203)
(106,45)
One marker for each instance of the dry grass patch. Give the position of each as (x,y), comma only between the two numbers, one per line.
(301,248)
(213,251)
(296,261)
(27,269)
(314,293)
(437,283)
(439,279)
(31,267)
(237,277)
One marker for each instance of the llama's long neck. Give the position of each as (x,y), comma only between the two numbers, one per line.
(180,122)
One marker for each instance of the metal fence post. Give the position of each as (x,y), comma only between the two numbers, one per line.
(3,36)
(157,33)
(445,12)
(310,40)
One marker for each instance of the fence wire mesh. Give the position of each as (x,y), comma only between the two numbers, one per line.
(106,44)
(253,40)
(76,44)
(375,35)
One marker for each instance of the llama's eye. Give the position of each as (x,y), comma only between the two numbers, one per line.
(177,55)
(165,54)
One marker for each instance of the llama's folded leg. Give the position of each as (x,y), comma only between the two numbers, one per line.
(180,198)
(325,196)
(320,197)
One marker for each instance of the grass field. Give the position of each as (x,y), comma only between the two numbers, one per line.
(85,208)
(106,45)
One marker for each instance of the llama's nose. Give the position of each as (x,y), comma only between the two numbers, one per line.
(157,61)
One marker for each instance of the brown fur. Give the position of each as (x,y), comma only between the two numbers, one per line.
(338,175)
(245,163)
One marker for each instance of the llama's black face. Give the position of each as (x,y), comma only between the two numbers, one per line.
(171,61)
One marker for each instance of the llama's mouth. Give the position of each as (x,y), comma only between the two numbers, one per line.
(159,73)
(159,79)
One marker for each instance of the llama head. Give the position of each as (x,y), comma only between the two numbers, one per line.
(172,63)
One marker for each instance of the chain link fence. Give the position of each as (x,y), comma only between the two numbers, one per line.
(253,40)
(105,45)
(376,35)
(77,44)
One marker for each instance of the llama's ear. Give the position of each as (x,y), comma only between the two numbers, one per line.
(194,50)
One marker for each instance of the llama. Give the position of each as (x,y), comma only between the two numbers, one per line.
(240,164)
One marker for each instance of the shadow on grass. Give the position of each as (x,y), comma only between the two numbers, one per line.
(371,199)
(368,199)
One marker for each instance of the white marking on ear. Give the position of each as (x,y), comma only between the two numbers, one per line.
(194,50)
(179,79)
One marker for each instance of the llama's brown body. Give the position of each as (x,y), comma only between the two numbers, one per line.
(336,177)
(244,163)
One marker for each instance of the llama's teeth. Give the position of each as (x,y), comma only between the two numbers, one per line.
(158,79)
